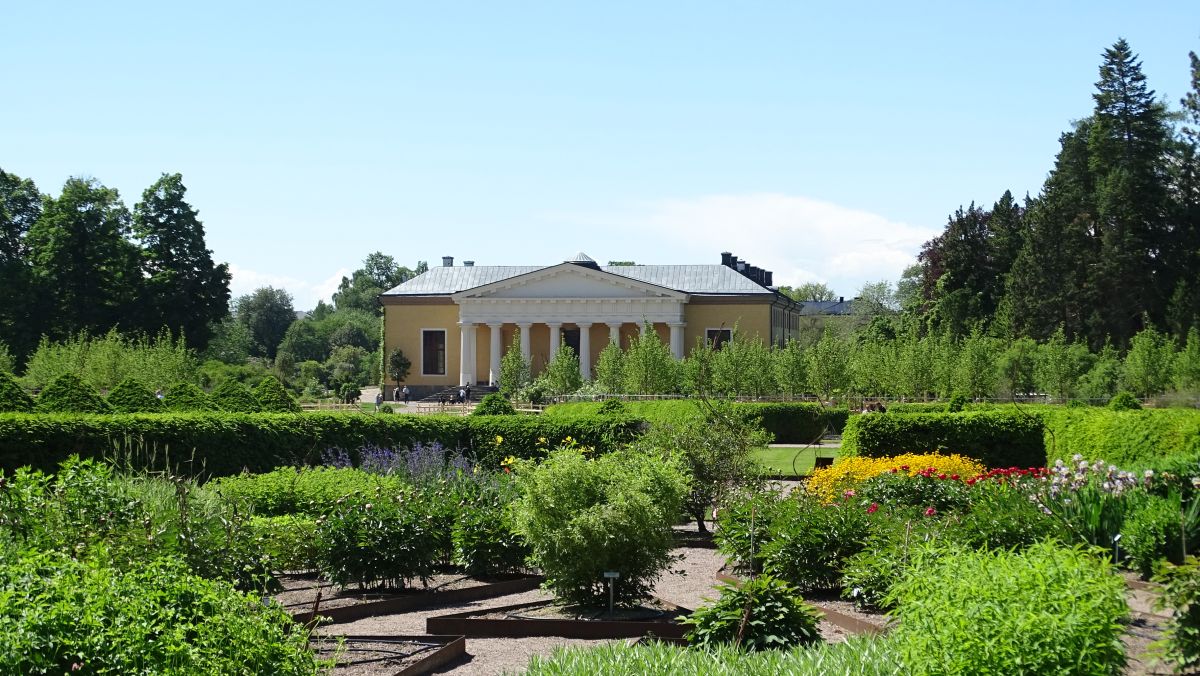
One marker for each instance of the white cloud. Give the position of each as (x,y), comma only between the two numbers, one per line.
(800,238)
(305,293)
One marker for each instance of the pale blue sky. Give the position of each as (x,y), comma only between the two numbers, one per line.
(825,143)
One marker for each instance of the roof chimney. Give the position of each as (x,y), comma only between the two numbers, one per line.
(741,267)
(468,264)
(752,273)
(768,278)
(726,259)
(447,261)
(841,299)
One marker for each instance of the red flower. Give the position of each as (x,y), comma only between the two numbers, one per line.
(954,477)
(930,512)
(893,470)
(970,482)
(904,467)
(873,508)
(942,475)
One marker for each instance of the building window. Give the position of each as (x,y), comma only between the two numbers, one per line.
(433,352)
(716,338)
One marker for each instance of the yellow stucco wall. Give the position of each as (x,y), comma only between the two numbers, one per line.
(402,328)
(752,319)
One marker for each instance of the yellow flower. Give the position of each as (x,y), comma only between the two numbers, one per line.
(830,483)
(510,460)
(499,439)
(542,440)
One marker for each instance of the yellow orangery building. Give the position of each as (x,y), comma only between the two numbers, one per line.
(455,322)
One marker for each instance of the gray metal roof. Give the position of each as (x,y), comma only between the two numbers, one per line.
(826,307)
(694,279)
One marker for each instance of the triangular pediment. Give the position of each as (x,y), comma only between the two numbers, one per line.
(567,281)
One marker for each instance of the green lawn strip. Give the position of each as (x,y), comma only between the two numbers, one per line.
(791,460)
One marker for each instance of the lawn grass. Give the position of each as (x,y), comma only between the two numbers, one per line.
(791,461)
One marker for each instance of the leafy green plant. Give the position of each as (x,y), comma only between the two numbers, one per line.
(187,397)
(1181,595)
(745,523)
(810,549)
(582,517)
(1044,610)
(1000,438)
(1002,516)
(131,396)
(957,403)
(1152,532)
(69,394)
(760,614)
(274,398)
(612,407)
(12,396)
(494,404)
(235,397)
(926,489)
(392,542)
(1124,401)
(484,541)
(894,543)
(292,542)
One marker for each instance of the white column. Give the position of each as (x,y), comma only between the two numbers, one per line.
(614,333)
(466,353)
(643,326)
(585,350)
(677,339)
(555,338)
(525,341)
(494,355)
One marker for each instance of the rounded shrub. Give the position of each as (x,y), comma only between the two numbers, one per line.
(583,517)
(810,550)
(235,397)
(957,403)
(1124,401)
(1152,533)
(613,407)
(68,393)
(131,396)
(274,398)
(187,397)
(761,614)
(494,404)
(484,542)
(12,397)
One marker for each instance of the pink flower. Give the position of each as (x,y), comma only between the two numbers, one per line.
(873,508)
(848,494)
(930,512)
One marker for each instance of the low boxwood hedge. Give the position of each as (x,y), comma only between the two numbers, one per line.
(789,422)
(997,438)
(220,444)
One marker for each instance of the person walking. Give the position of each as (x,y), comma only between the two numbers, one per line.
(405,393)
(462,395)
(378,400)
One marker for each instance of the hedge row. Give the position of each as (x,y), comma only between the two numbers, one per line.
(790,422)
(221,444)
(1125,438)
(997,438)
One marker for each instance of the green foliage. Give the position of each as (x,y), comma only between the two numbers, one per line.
(1060,365)
(1148,363)
(234,397)
(612,407)
(391,541)
(891,549)
(858,656)
(514,371)
(106,360)
(649,366)
(484,541)
(925,490)
(398,366)
(12,396)
(1044,610)
(226,443)
(131,396)
(562,374)
(787,422)
(266,313)
(997,438)
(1125,438)
(1002,517)
(584,516)
(1153,532)
(828,365)
(760,614)
(809,547)
(292,541)
(313,491)
(957,403)
(494,404)
(1181,595)
(273,398)
(156,617)
(610,368)
(744,525)
(1187,363)
(1124,401)
(69,394)
(187,397)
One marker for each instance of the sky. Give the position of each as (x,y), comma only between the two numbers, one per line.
(823,142)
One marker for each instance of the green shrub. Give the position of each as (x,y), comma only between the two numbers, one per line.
(234,397)
(957,403)
(998,438)
(894,543)
(13,396)
(925,490)
(292,542)
(273,398)
(760,614)
(1153,531)
(1124,401)
(154,618)
(223,444)
(1126,438)
(186,397)
(584,516)
(909,407)
(484,541)
(131,396)
(1001,517)
(1045,610)
(745,523)
(612,407)
(789,423)
(312,491)
(1181,595)
(810,549)
(69,394)
(494,404)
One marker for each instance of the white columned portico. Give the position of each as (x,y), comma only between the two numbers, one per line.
(494,355)
(555,338)
(614,333)
(466,353)
(525,352)
(585,349)
(677,338)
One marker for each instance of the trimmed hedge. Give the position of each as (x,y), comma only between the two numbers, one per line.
(789,422)
(12,396)
(222,444)
(274,398)
(131,396)
(1130,438)
(997,438)
(68,393)
(234,397)
(188,397)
